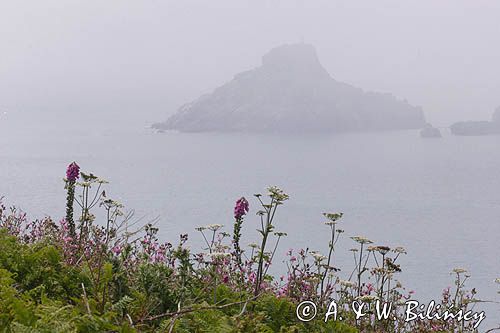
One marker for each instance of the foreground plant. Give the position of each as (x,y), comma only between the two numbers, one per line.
(240,210)
(72,174)
(99,271)
(277,197)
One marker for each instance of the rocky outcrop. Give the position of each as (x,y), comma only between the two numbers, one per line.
(292,92)
(472,128)
(430,132)
(496,116)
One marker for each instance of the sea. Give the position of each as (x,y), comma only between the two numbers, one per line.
(438,198)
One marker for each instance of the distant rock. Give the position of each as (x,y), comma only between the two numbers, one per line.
(496,116)
(473,128)
(430,132)
(292,92)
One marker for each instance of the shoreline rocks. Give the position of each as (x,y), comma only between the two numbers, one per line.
(476,128)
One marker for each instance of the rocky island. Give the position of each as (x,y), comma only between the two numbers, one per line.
(430,132)
(292,92)
(473,128)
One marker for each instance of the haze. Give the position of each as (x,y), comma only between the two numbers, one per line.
(140,60)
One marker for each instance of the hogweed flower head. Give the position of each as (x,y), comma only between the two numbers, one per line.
(367,298)
(318,257)
(332,218)
(383,250)
(347,284)
(361,240)
(459,270)
(399,249)
(277,194)
(214,227)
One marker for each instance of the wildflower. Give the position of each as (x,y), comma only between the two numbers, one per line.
(399,249)
(219,254)
(391,266)
(201,228)
(280,234)
(116,249)
(383,250)
(214,227)
(497,280)
(241,208)
(332,218)
(317,256)
(253,245)
(367,298)
(277,194)
(361,240)
(379,271)
(368,289)
(330,268)
(72,172)
(459,270)
(347,284)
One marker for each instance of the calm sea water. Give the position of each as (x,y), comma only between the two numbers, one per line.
(440,199)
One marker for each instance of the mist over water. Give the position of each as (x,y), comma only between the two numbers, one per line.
(150,57)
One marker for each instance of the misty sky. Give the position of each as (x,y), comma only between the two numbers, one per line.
(142,59)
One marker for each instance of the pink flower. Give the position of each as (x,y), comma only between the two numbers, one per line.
(117,249)
(72,172)
(241,208)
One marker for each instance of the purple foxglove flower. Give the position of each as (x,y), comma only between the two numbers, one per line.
(241,208)
(73,172)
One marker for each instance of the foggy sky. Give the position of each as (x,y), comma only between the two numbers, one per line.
(142,59)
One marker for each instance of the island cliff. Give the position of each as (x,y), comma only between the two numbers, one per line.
(473,128)
(292,92)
